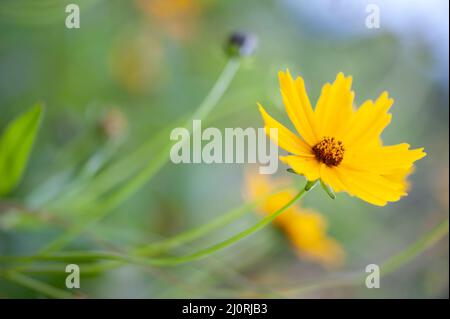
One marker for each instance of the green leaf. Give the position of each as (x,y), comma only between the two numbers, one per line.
(16,143)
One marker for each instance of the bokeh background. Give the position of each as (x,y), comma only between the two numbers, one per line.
(136,66)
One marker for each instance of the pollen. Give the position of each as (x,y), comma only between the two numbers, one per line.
(329,151)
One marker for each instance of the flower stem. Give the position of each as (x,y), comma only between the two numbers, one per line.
(389,266)
(207,251)
(163,245)
(100,210)
(217,90)
(37,285)
(190,235)
(168,261)
(414,250)
(82,196)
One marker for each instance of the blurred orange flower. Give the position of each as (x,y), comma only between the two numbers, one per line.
(306,229)
(177,17)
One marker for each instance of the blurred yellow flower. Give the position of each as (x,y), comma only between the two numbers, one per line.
(339,145)
(305,228)
(136,61)
(176,17)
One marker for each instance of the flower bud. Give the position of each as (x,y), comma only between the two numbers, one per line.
(114,123)
(241,44)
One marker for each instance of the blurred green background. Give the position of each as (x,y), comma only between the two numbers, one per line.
(135,67)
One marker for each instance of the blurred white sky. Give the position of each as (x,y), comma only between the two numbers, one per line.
(414,22)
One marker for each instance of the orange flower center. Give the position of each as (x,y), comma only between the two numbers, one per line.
(329,151)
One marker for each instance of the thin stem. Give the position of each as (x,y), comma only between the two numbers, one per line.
(218,89)
(234,239)
(195,233)
(169,261)
(190,235)
(102,209)
(124,168)
(414,250)
(84,195)
(161,246)
(389,266)
(37,285)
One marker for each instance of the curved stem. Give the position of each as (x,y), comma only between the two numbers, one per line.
(204,229)
(217,90)
(37,285)
(414,250)
(169,261)
(232,240)
(195,233)
(82,196)
(131,186)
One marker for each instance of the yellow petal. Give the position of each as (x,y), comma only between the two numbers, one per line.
(307,166)
(334,109)
(307,230)
(329,176)
(286,139)
(370,187)
(401,177)
(369,122)
(383,160)
(327,252)
(298,106)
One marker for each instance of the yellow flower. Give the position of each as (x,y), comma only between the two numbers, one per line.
(341,145)
(305,228)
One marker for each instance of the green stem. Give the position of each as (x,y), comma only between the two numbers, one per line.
(84,195)
(102,209)
(414,250)
(190,235)
(195,233)
(169,261)
(233,239)
(161,246)
(36,285)
(217,90)
(389,266)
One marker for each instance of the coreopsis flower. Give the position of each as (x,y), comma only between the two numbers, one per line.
(341,145)
(306,229)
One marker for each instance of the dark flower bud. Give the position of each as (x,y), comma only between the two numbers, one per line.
(241,44)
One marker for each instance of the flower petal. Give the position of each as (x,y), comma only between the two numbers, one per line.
(370,187)
(369,122)
(307,166)
(307,230)
(298,106)
(286,139)
(329,176)
(401,177)
(334,109)
(383,160)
